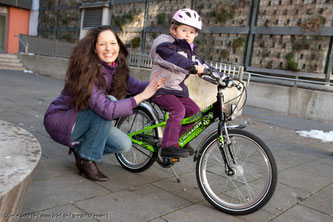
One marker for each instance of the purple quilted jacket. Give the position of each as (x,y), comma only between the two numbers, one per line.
(60,118)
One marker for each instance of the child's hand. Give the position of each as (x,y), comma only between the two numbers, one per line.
(199,69)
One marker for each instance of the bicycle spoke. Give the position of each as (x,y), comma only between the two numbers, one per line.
(138,158)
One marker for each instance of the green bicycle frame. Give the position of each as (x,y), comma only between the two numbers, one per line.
(202,120)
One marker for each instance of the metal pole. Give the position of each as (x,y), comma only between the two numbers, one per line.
(329,59)
(193,4)
(57,19)
(329,62)
(250,36)
(110,9)
(143,33)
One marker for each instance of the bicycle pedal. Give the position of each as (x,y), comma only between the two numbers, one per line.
(170,159)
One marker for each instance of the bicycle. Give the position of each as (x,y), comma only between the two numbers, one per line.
(235,170)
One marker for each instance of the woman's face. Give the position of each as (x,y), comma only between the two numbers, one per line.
(185,32)
(107,47)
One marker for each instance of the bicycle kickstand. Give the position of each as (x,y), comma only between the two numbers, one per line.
(171,160)
(174,173)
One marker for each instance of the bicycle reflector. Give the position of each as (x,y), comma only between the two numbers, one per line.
(223,107)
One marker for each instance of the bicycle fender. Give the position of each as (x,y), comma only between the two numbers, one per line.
(154,115)
(211,133)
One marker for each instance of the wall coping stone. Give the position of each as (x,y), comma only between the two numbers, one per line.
(20,154)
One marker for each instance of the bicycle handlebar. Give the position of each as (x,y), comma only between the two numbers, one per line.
(222,80)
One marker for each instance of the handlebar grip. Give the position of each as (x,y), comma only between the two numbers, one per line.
(206,72)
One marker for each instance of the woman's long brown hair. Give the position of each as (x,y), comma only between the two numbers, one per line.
(85,70)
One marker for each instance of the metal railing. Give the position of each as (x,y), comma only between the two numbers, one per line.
(137,59)
(292,82)
(54,48)
(45,47)
(145,61)
(25,45)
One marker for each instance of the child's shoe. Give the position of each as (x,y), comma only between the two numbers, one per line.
(174,151)
(190,150)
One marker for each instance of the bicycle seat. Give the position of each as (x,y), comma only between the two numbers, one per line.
(153,104)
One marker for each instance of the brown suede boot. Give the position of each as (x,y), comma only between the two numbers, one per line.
(90,169)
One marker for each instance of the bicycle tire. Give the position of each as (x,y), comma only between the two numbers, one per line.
(255,178)
(138,158)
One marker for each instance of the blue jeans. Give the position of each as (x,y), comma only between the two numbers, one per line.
(97,136)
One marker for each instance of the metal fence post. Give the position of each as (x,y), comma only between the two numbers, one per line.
(39,40)
(27,48)
(143,34)
(55,48)
(110,10)
(250,36)
(329,61)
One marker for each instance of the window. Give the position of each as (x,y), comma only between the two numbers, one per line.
(92,18)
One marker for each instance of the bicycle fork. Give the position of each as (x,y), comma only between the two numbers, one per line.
(224,144)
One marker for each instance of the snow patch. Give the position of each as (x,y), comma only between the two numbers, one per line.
(317,134)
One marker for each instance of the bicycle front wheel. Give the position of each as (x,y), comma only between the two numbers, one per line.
(138,158)
(254,179)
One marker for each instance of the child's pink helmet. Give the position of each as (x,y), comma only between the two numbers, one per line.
(188,17)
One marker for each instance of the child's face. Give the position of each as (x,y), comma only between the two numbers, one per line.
(185,32)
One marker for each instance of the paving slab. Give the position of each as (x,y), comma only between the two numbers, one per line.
(120,179)
(67,212)
(187,188)
(288,158)
(203,211)
(304,214)
(284,198)
(321,201)
(54,167)
(54,192)
(299,177)
(143,203)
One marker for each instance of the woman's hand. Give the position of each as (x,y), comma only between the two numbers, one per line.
(150,90)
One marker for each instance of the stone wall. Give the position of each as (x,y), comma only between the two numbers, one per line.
(306,52)
(59,19)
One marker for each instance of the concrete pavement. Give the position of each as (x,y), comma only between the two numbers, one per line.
(305,179)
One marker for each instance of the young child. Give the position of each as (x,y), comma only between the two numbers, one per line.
(173,58)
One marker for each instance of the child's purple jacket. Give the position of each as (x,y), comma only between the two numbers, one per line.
(60,117)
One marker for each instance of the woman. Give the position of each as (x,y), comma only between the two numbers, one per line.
(81,116)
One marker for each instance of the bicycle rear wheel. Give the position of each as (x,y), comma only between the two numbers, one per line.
(138,158)
(253,182)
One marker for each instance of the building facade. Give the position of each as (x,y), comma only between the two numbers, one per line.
(17,17)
